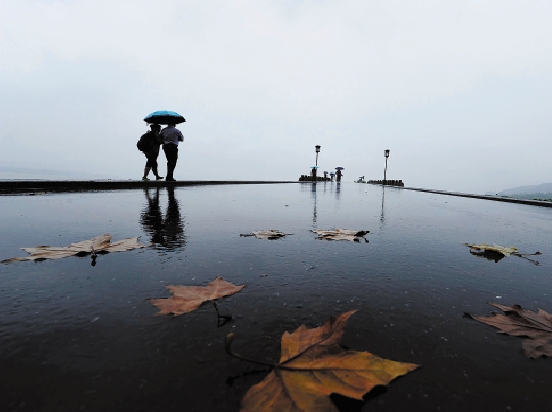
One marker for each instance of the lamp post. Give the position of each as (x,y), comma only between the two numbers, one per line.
(317,149)
(386,155)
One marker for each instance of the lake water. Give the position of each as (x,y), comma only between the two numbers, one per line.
(79,337)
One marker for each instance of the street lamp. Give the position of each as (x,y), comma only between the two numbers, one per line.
(386,155)
(317,148)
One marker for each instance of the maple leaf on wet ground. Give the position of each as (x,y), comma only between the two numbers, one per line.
(496,252)
(266,234)
(516,321)
(188,298)
(342,234)
(505,251)
(313,365)
(98,245)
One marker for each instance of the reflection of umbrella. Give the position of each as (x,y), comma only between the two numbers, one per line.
(339,168)
(164,117)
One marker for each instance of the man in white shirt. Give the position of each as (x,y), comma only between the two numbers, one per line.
(170,136)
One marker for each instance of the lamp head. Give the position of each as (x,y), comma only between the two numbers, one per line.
(317,148)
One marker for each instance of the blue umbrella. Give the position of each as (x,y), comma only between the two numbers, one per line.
(164,117)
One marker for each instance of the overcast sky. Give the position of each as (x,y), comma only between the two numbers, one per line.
(459,91)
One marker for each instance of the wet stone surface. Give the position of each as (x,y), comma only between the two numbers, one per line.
(79,337)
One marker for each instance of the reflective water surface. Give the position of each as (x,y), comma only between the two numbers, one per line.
(79,337)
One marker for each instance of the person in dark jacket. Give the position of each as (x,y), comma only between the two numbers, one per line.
(152,154)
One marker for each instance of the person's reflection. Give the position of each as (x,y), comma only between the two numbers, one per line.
(174,226)
(167,232)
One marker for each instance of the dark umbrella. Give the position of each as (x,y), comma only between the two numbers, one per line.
(339,168)
(164,117)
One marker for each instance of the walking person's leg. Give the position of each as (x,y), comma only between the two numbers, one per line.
(154,166)
(147,169)
(171,153)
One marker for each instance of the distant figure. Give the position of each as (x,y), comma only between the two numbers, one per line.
(339,174)
(325,175)
(313,174)
(152,137)
(332,174)
(170,136)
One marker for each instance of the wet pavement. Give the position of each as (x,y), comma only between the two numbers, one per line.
(79,337)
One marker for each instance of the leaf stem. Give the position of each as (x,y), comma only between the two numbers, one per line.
(227,347)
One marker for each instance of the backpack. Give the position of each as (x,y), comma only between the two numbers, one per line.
(144,144)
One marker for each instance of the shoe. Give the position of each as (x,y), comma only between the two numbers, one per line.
(145,179)
(159,177)
(171,180)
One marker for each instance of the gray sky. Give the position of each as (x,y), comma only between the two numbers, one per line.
(459,91)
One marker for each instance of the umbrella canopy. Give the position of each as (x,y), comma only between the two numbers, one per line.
(164,117)
(339,168)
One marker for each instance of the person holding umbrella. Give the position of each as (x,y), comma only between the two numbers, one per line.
(171,137)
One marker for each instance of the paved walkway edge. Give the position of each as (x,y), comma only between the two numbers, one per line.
(483,197)
(15,187)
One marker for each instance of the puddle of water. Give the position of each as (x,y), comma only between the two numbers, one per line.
(78,336)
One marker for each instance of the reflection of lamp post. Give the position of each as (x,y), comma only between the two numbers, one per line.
(386,155)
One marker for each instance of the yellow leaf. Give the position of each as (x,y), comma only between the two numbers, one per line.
(313,365)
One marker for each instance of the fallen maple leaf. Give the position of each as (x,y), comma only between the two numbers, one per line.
(498,252)
(188,298)
(312,366)
(341,234)
(477,249)
(266,234)
(99,244)
(536,327)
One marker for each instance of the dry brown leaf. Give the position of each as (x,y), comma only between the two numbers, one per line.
(188,298)
(99,244)
(536,327)
(266,234)
(341,234)
(313,365)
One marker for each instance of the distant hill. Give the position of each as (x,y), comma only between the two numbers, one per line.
(544,188)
